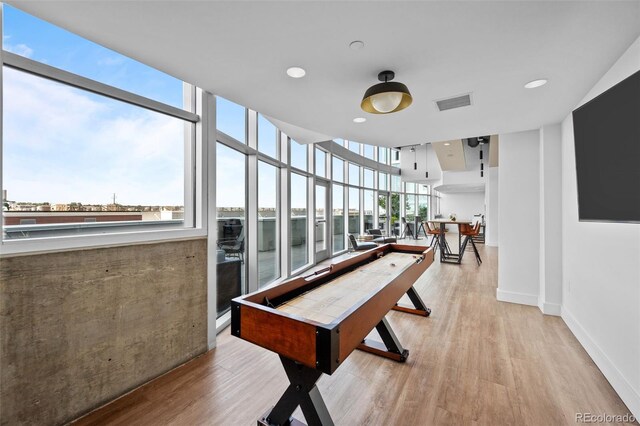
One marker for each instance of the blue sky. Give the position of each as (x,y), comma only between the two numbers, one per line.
(27,35)
(64,145)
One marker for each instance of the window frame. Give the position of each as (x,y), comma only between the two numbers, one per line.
(197,160)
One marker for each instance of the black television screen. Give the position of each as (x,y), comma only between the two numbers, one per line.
(607,142)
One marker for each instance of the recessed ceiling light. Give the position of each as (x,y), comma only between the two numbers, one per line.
(359,120)
(356,45)
(447,144)
(296,72)
(536,83)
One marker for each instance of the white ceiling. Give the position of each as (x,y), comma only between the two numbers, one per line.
(240,50)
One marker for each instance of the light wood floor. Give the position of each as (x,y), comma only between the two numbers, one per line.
(474,361)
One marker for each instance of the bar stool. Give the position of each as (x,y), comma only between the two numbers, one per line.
(435,235)
(406,230)
(469,233)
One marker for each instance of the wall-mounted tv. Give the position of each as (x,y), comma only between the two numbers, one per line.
(607,143)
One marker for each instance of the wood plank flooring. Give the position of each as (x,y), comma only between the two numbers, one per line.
(474,361)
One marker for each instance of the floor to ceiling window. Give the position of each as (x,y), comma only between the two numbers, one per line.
(88,147)
(299,228)
(338,218)
(231,119)
(354,211)
(298,155)
(338,169)
(231,216)
(268,247)
(368,210)
(383,203)
(423,202)
(267,137)
(368,151)
(321,163)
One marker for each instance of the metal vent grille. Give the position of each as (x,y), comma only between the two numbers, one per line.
(457,102)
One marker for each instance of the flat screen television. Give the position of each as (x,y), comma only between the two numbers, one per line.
(607,143)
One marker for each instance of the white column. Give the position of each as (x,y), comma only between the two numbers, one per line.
(283,244)
(205,198)
(492,198)
(550,207)
(251,228)
(519,218)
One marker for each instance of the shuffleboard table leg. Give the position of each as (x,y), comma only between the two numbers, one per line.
(303,392)
(390,348)
(420,308)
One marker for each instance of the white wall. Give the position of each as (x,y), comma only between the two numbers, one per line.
(492,198)
(464,205)
(519,218)
(550,208)
(601,269)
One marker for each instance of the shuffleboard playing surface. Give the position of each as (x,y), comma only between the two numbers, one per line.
(327,302)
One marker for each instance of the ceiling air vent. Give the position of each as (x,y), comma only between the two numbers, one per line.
(457,102)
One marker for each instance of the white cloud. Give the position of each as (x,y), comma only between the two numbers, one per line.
(62,145)
(19,49)
(111,61)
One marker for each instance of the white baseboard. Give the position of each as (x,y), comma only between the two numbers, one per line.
(554,309)
(515,297)
(629,395)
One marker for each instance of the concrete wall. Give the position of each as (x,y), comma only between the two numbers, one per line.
(80,328)
(601,269)
(519,218)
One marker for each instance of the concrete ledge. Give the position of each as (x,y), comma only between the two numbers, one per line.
(629,395)
(515,297)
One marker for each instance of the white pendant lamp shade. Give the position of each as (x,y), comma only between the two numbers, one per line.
(386,102)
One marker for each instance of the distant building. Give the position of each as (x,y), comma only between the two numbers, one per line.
(171,215)
(39,218)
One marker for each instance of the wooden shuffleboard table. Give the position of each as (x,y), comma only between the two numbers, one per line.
(314,322)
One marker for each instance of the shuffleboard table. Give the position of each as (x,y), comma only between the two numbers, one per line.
(314,322)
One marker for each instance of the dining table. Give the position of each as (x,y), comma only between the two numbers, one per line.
(446,255)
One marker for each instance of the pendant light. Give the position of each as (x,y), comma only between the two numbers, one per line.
(386,97)
(426,161)
(481,162)
(415,159)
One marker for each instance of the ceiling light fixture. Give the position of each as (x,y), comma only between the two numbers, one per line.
(386,97)
(296,72)
(359,120)
(536,83)
(447,144)
(426,161)
(356,45)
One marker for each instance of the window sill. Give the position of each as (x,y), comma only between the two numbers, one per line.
(72,242)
